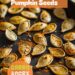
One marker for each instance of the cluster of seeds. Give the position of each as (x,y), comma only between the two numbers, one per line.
(21,22)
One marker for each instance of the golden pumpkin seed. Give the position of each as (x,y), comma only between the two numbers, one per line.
(13,10)
(57,52)
(67,25)
(35,10)
(70,36)
(39,38)
(11,35)
(24,47)
(3,10)
(7,61)
(50,28)
(38,49)
(6,25)
(44,60)
(69,48)
(58,69)
(28,59)
(23,27)
(38,26)
(17,19)
(5,1)
(29,14)
(56,41)
(70,62)
(45,16)
(60,13)
(5,52)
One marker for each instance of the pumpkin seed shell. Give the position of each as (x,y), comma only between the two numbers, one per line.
(60,13)
(44,60)
(56,41)
(38,49)
(39,38)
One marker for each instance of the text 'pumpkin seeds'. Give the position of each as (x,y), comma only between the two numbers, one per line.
(39,38)
(44,60)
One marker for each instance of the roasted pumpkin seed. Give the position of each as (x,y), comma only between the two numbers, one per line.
(13,10)
(24,27)
(17,19)
(44,60)
(50,28)
(57,52)
(70,62)
(28,59)
(56,41)
(67,25)
(38,49)
(24,47)
(35,10)
(3,10)
(60,13)
(6,62)
(58,69)
(38,26)
(69,48)
(29,14)
(6,25)
(39,38)
(5,52)
(70,36)
(45,16)
(5,1)
(11,35)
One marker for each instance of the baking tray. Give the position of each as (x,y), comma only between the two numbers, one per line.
(5,42)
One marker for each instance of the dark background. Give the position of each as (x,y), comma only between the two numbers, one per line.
(5,42)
